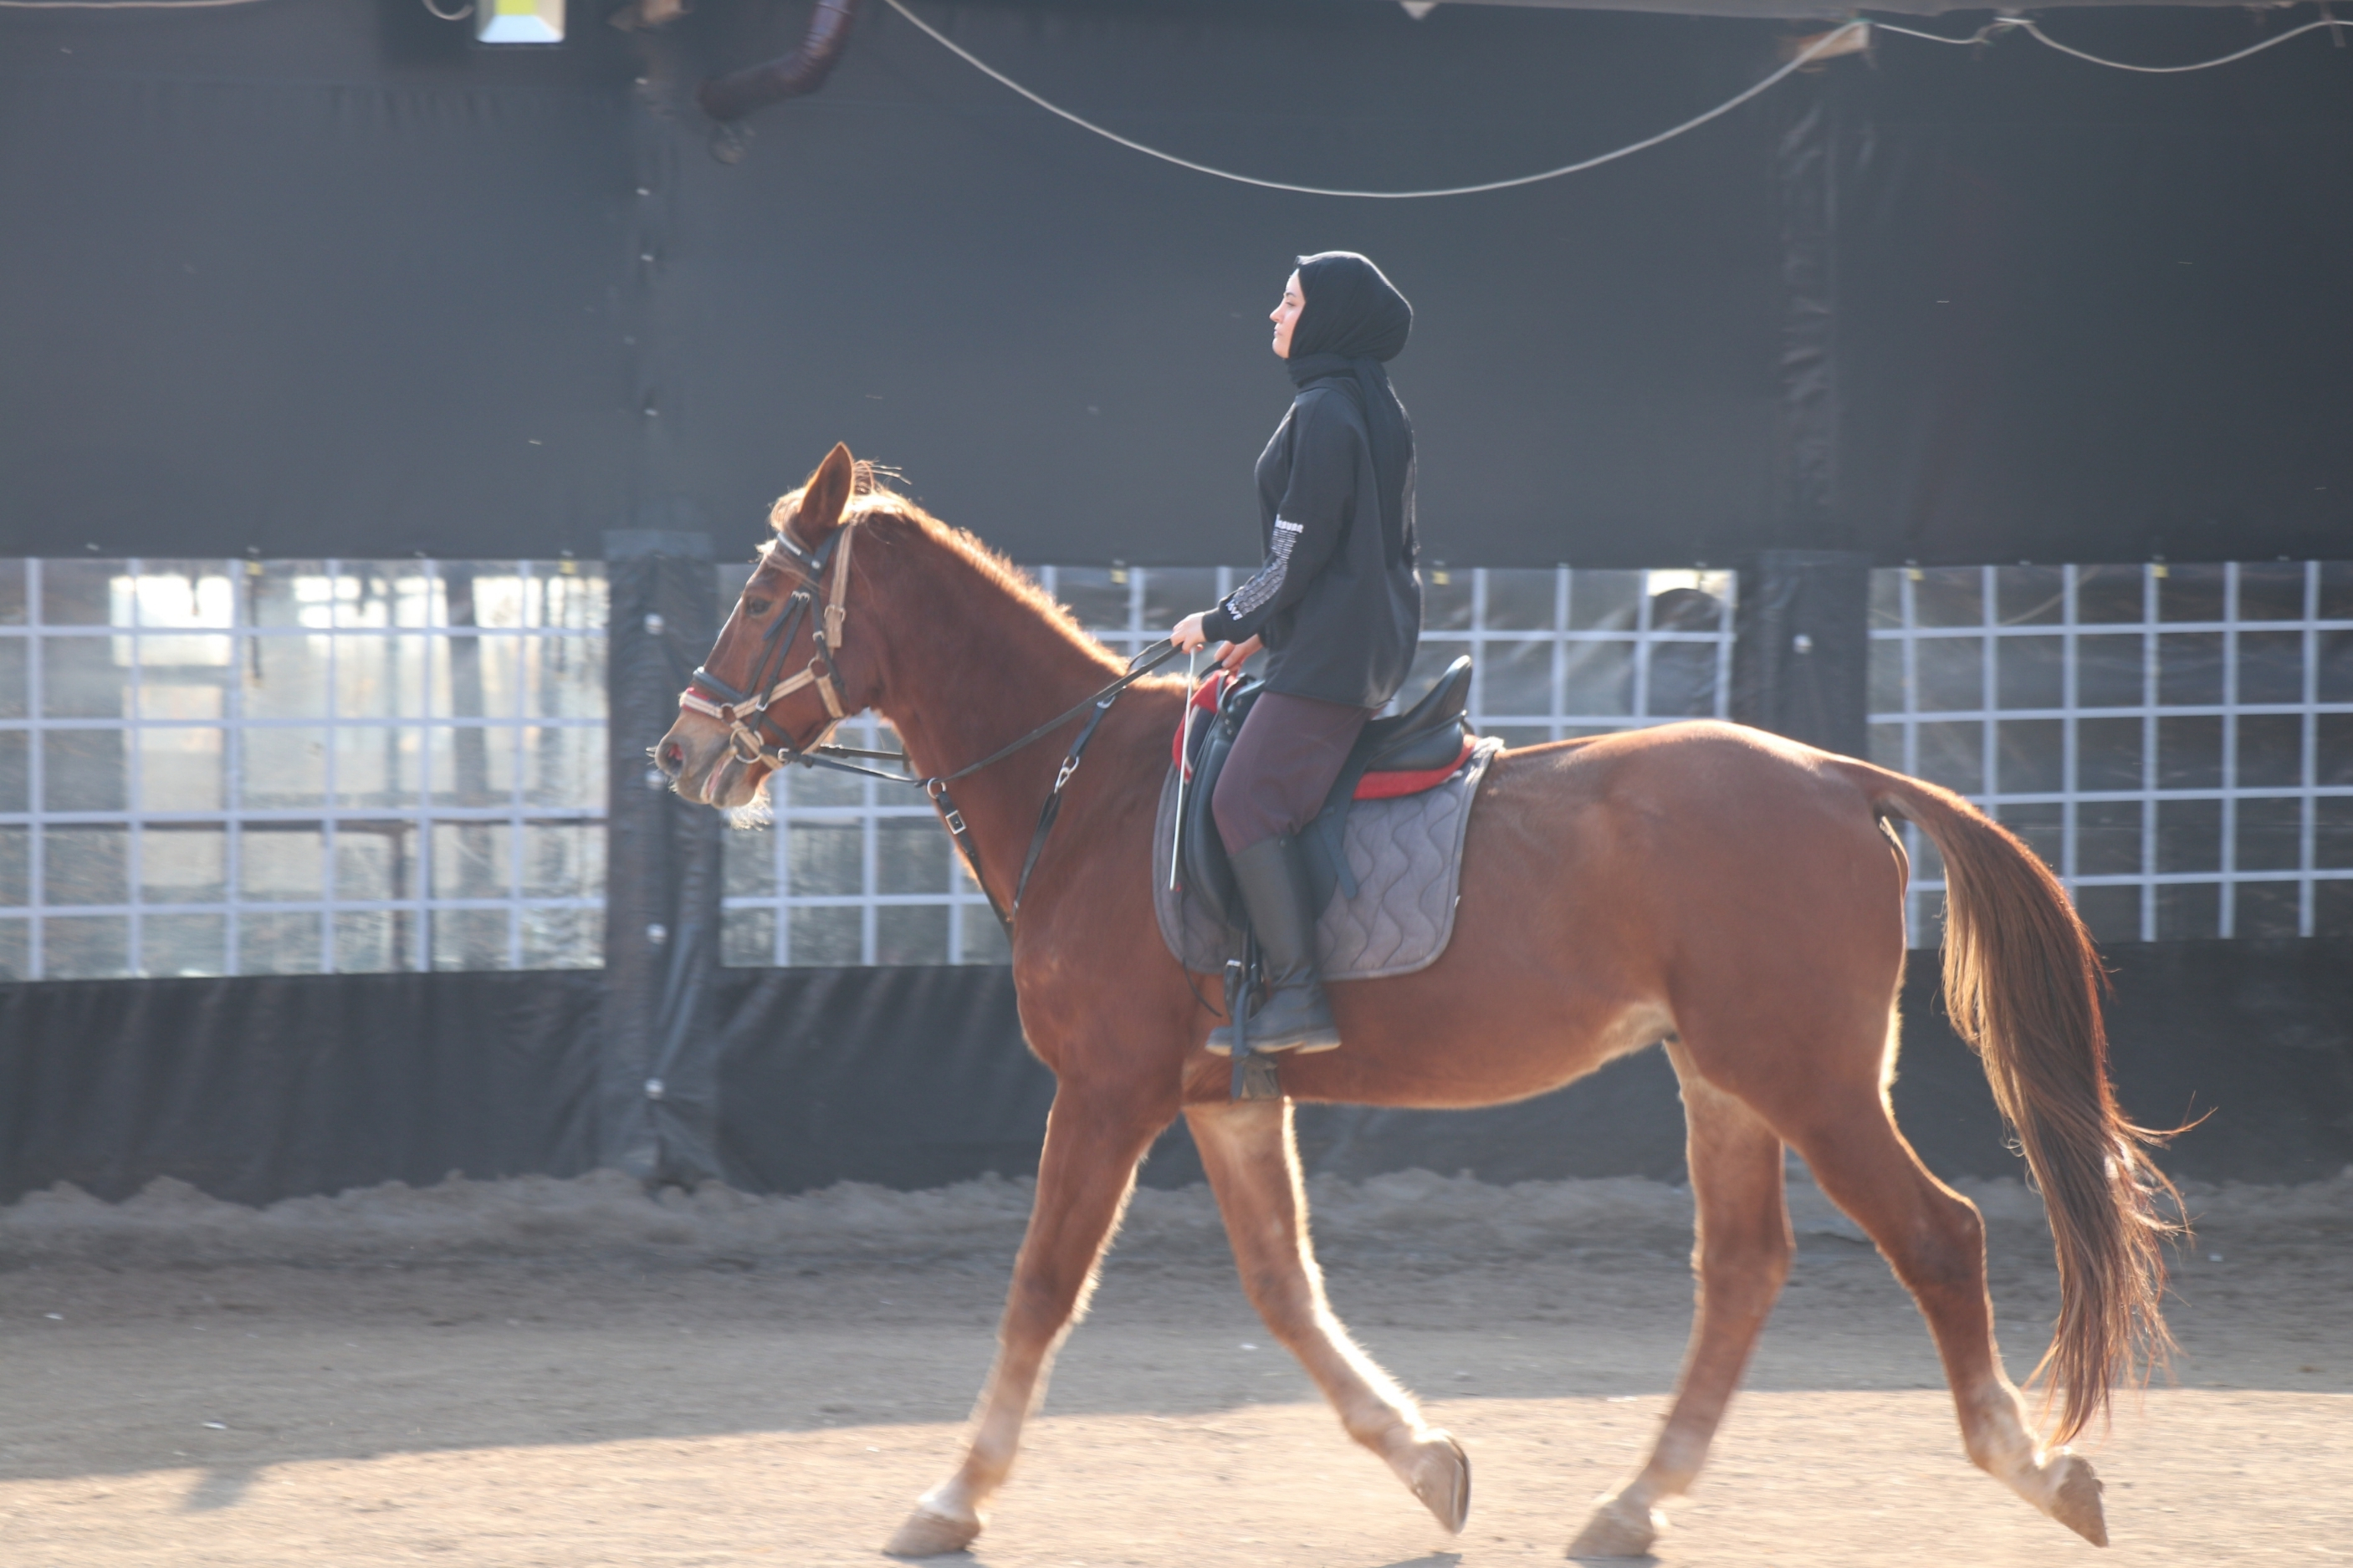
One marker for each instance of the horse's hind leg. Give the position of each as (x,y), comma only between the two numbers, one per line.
(1741,1255)
(1084,1177)
(1253,1168)
(1935,1240)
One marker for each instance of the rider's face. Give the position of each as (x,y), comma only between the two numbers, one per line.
(1285,316)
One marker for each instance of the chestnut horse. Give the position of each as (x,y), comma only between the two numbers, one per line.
(1734,896)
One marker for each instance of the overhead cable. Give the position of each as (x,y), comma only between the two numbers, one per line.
(1821,46)
(1827,44)
(2027,24)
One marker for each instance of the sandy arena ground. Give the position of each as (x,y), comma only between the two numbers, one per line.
(545,1372)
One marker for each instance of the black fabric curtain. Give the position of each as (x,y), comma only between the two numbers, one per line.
(326,280)
(260,1089)
(268,1086)
(2091,316)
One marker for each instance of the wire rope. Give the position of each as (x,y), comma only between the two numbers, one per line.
(1826,44)
(2028,25)
(1819,47)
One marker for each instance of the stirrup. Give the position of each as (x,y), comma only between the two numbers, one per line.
(1306,1036)
(1225,1048)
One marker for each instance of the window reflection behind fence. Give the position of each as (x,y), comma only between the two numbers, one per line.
(231,767)
(2175,740)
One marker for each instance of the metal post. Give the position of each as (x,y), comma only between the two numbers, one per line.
(1801,659)
(657,1091)
(1800,663)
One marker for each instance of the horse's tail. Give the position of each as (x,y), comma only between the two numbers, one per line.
(2023,983)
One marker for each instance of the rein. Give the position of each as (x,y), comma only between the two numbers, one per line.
(745,714)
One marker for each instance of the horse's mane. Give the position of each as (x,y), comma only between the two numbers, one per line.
(876,498)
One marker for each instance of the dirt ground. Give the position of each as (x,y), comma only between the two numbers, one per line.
(567,1373)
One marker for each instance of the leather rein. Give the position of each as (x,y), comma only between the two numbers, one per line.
(746,715)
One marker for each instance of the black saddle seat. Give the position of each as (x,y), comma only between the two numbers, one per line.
(1429,734)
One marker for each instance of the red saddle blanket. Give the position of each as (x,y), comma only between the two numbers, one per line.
(1372,786)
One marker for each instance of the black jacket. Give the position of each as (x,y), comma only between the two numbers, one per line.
(1337,601)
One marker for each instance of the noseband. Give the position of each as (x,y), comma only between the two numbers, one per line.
(745,712)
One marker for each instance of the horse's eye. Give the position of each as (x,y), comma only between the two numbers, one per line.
(758,606)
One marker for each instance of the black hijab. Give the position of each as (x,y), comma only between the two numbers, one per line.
(1354,322)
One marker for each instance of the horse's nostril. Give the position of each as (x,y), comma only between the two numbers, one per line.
(669,758)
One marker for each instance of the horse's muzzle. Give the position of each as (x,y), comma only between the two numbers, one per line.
(703,767)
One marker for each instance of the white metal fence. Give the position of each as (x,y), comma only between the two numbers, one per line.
(235,767)
(852,871)
(2177,742)
(241,767)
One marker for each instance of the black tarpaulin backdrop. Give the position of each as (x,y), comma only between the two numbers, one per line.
(325,279)
(280,1086)
(265,1088)
(2088,316)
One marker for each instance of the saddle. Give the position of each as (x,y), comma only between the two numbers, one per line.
(1417,750)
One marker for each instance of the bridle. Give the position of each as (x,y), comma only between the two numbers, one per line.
(746,713)
(743,712)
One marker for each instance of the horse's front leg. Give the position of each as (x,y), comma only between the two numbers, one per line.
(1253,1168)
(1084,1177)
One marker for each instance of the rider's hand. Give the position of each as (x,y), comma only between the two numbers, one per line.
(1187,636)
(1233,655)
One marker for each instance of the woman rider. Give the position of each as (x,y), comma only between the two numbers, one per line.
(1337,607)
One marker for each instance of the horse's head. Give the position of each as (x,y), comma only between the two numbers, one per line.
(778,677)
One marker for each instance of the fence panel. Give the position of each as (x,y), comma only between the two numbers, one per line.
(2175,740)
(270,767)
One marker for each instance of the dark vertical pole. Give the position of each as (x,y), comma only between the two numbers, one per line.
(1806,175)
(1801,666)
(480,875)
(658,1098)
(1801,660)
(658,1094)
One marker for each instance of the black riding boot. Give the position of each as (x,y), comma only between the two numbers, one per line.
(1294,1016)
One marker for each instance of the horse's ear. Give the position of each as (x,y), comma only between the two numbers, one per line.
(826,496)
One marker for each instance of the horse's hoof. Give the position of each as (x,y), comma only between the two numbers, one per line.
(2075,1499)
(1442,1479)
(1619,1528)
(928,1534)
